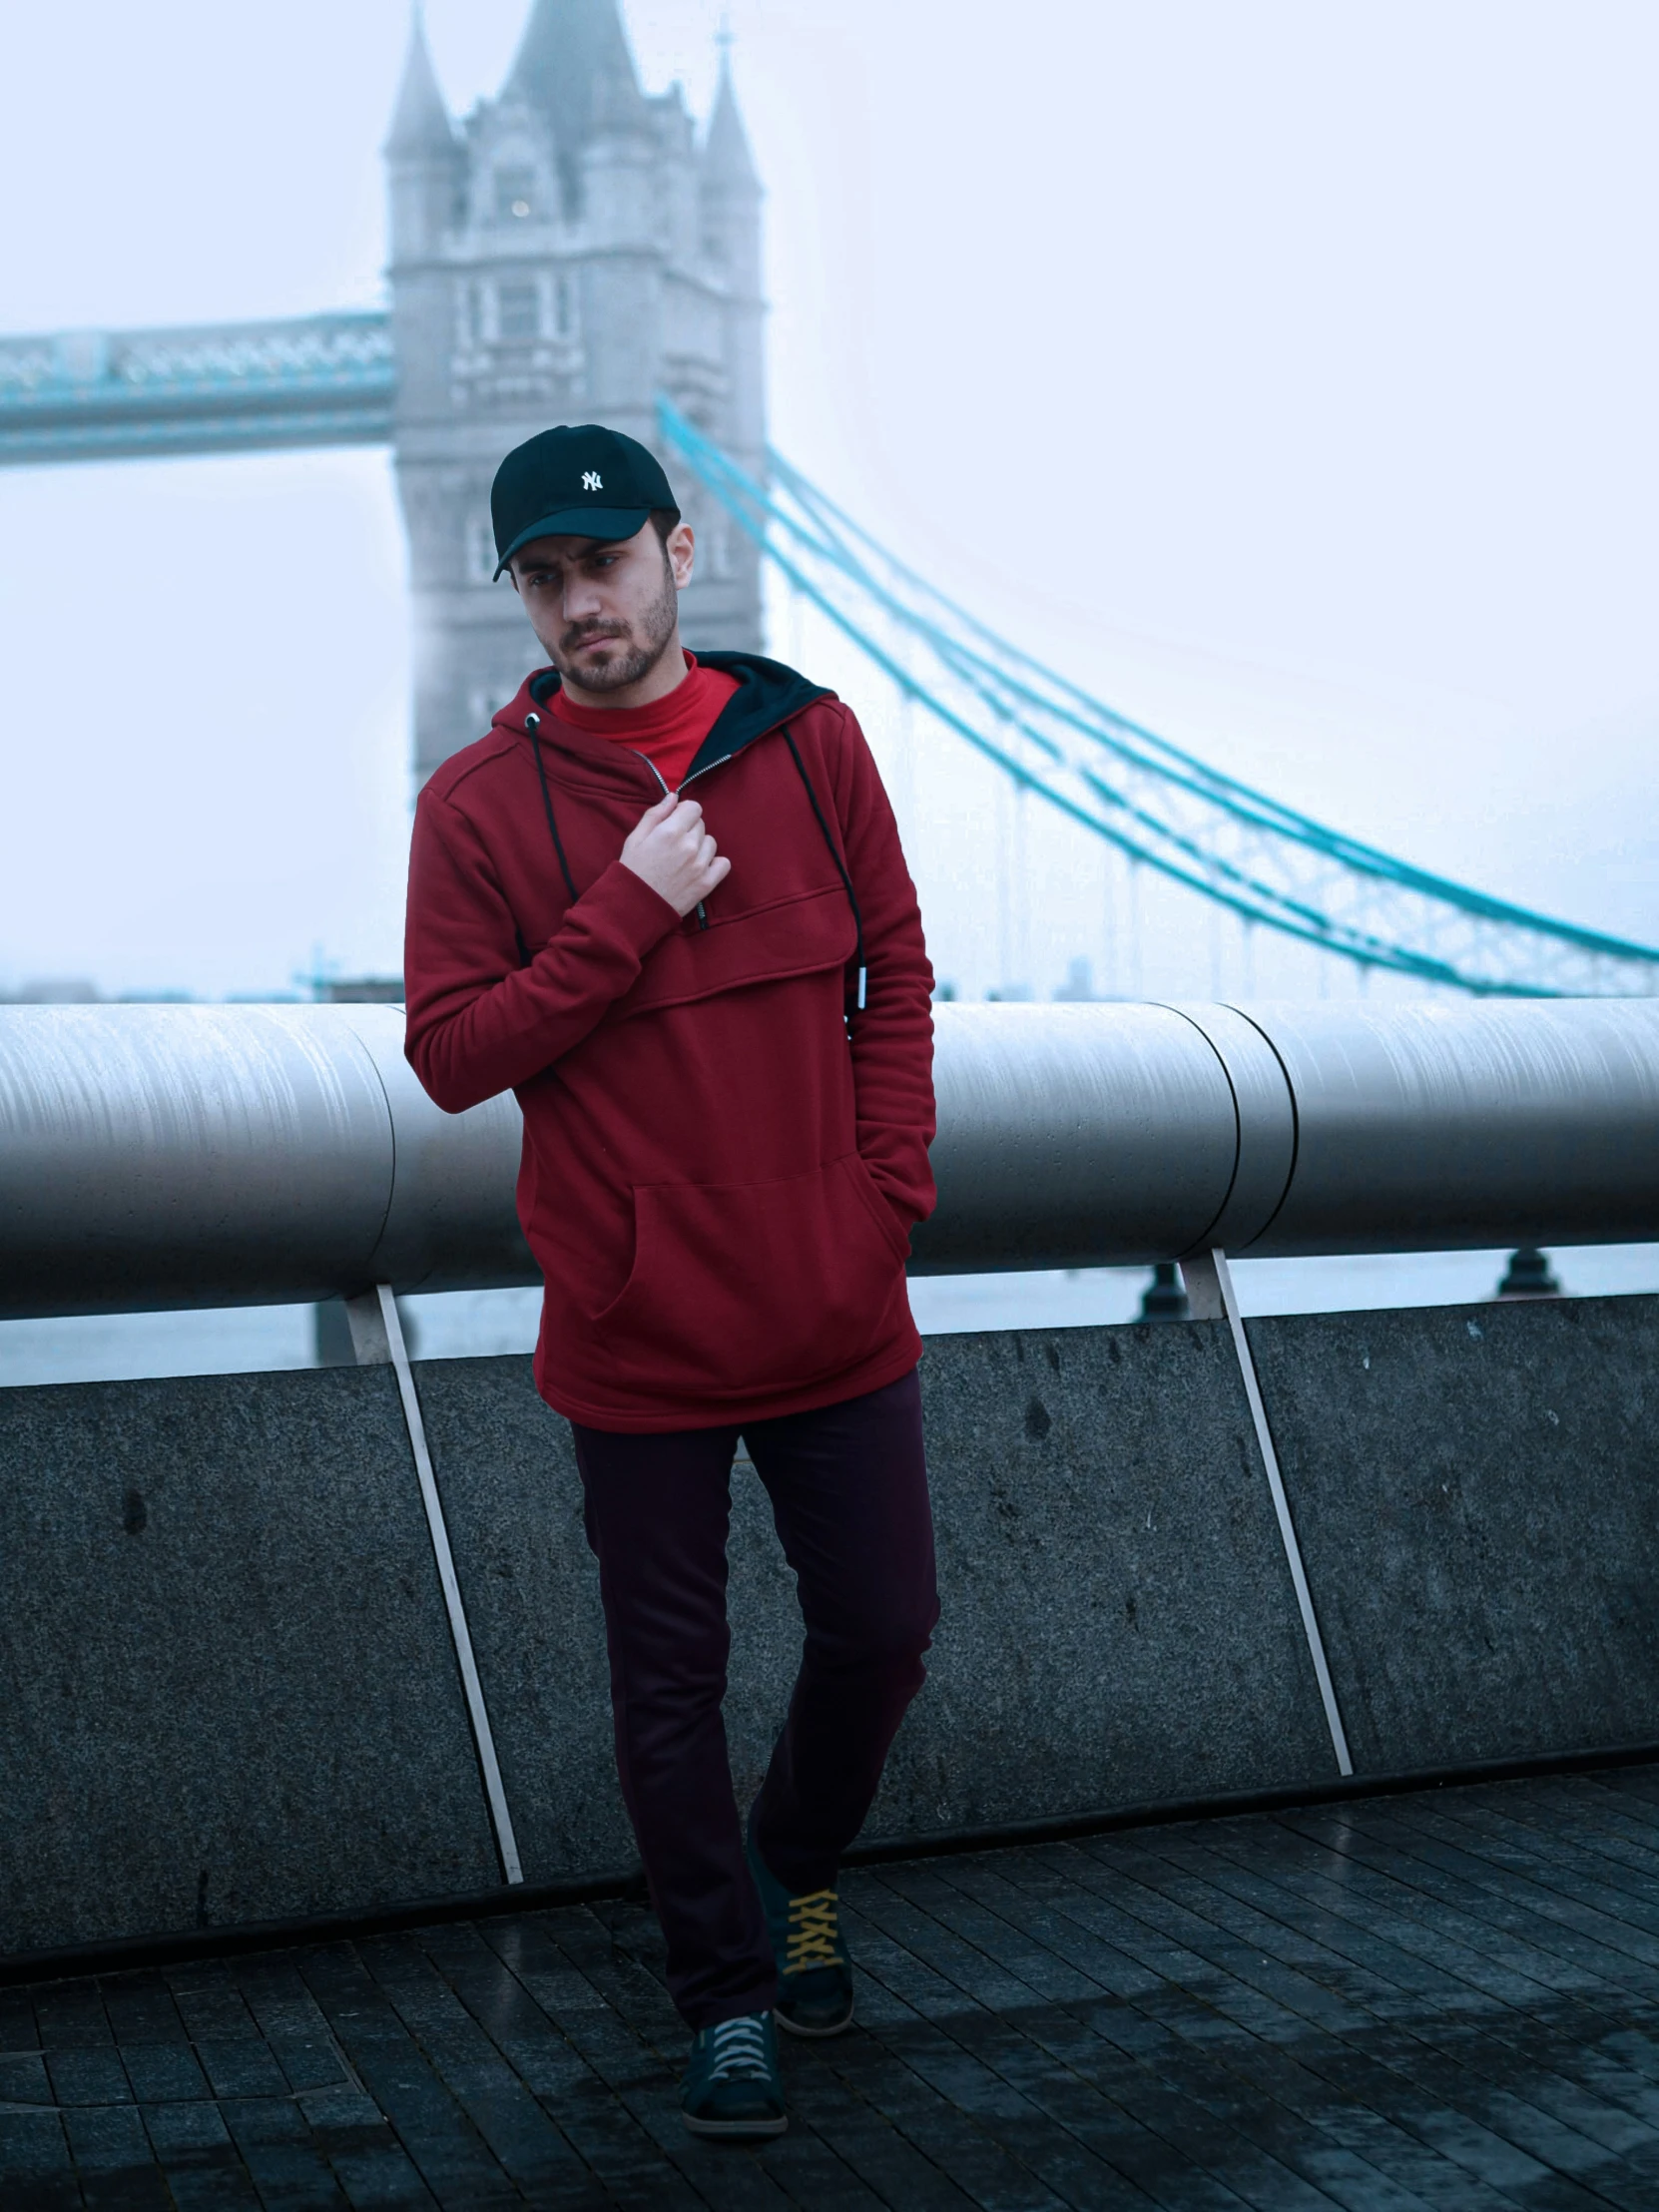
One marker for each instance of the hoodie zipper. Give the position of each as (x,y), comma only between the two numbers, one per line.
(701,911)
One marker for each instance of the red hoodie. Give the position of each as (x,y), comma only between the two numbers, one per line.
(718,1184)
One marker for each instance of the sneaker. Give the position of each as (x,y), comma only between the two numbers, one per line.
(733,2087)
(815,1967)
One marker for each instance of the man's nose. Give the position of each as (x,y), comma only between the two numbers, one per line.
(582,600)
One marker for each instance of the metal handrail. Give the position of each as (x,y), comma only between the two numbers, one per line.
(190,1156)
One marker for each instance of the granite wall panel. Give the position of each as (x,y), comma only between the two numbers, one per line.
(228,1689)
(1475,1491)
(1119,1625)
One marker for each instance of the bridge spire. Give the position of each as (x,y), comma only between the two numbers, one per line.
(574,65)
(420,120)
(728,163)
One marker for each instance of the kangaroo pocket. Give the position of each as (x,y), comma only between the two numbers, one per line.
(755,1286)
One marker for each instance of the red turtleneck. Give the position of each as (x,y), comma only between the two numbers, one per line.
(670,731)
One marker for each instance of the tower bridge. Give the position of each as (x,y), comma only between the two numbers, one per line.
(574,248)
(577,249)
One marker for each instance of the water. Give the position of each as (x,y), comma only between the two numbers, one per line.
(474,1324)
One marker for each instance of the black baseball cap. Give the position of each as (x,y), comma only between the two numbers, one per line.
(579,481)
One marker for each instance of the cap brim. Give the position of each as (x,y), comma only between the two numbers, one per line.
(608,524)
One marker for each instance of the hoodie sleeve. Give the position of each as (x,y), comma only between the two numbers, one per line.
(479,1019)
(893,1039)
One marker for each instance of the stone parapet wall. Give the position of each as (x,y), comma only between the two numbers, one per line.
(232,1698)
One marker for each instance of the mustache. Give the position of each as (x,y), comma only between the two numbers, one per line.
(590,632)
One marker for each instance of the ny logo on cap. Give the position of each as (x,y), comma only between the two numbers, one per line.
(590,480)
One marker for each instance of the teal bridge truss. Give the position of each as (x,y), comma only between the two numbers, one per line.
(332,380)
(96,395)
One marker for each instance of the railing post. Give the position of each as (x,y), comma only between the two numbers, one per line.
(1211,1296)
(377,1336)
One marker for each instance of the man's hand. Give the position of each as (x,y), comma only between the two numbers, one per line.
(670,849)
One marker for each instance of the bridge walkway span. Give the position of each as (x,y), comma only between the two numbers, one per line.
(1445,1997)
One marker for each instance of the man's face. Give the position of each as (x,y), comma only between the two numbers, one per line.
(604,611)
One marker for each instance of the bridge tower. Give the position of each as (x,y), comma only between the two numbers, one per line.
(568,254)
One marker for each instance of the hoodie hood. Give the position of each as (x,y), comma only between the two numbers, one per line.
(768,694)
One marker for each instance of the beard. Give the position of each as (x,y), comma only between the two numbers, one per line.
(643,642)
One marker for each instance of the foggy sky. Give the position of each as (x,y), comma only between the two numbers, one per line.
(1284,372)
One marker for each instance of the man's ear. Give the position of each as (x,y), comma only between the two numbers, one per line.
(681,548)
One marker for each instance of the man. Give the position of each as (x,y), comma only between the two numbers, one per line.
(662,901)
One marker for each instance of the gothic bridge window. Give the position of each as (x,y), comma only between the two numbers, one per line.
(717,538)
(517,312)
(480,549)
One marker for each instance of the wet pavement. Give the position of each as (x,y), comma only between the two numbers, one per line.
(1447,1998)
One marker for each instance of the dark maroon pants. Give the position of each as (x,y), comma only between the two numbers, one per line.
(848,1490)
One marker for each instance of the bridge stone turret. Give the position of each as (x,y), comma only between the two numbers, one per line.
(568,255)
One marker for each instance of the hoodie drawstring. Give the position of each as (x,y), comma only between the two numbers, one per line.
(856,1004)
(532,724)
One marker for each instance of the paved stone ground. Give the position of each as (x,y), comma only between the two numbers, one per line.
(1447,1999)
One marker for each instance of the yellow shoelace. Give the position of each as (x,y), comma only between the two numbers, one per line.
(812,1939)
